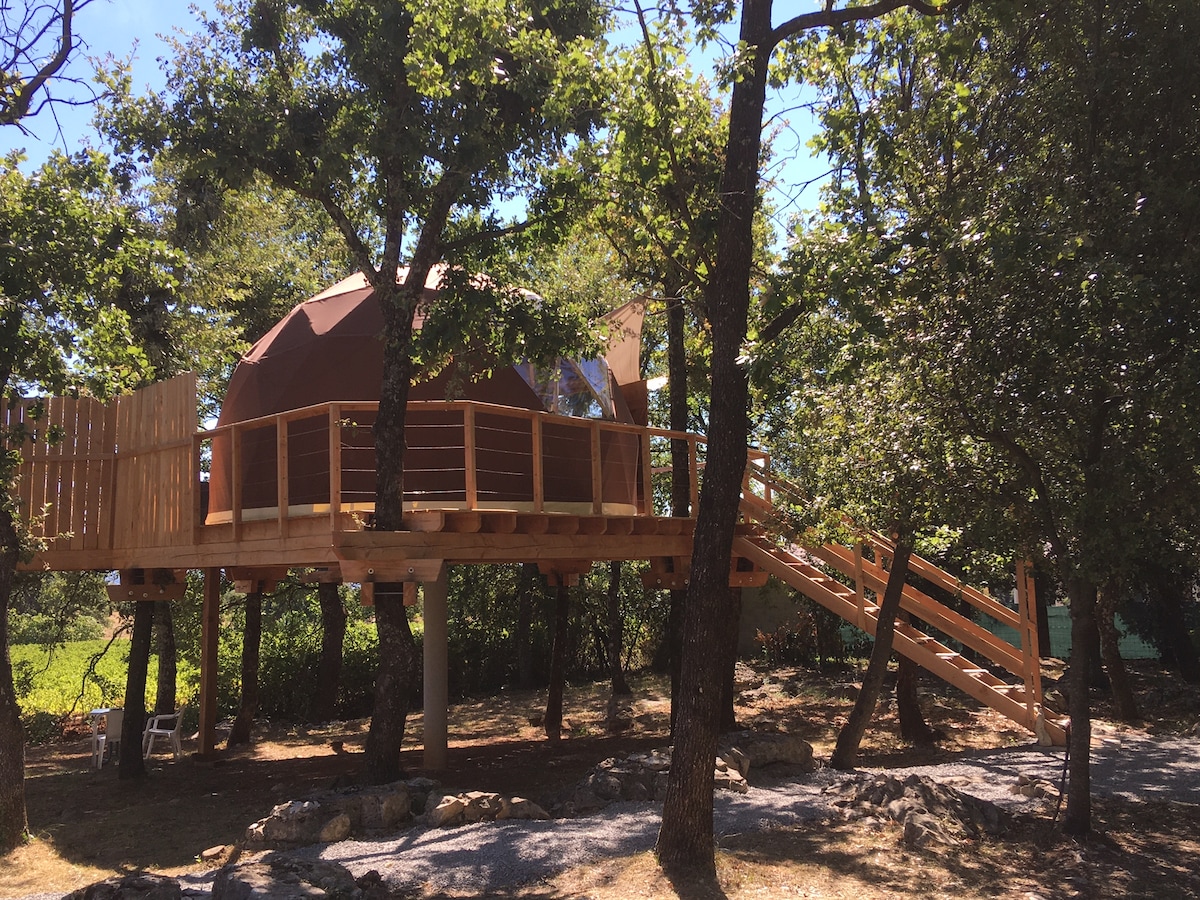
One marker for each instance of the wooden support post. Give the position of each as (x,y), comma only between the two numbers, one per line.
(1027,609)
(235,466)
(210,628)
(437,695)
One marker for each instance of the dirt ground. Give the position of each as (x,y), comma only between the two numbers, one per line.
(87,825)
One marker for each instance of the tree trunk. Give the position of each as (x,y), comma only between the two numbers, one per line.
(845,753)
(729,666)
(333,636)
(558,663)
(685,840)
(1124,702)
(132,765)
(681,480)
(166,692)
(678,600)
(394,680)
(913,726)
(14,825)
(251,646)
(614,643)
(1078,820)
(524,634)
(1042,588)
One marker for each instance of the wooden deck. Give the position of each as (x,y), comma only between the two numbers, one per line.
(124,487)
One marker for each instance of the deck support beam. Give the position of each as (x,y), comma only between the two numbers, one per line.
(435,645)
(210,630)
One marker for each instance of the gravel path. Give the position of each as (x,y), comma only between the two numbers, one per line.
(491,856)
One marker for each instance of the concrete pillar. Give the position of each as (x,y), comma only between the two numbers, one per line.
(210,630)
(437,693)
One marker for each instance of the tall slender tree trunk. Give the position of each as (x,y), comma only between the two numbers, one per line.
(1082,594)
(1124,702)
(845,753)
(614,642)
(524,633)
(333,636)
(395,677)
(14,826)
(681,481)
(558,662)
(685,840)
(166,691)
(251,647)
(131,764)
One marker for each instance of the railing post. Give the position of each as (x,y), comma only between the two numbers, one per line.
(235,465)
(694,474)
(197,506)
(597,469)
(335,465)
(860,590)
(281,474)
(470,476)
(1027,609)
(538,468)
(647,475)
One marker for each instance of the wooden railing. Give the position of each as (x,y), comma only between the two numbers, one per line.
(762,493)
(320,461)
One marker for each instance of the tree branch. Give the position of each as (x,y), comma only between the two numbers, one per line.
(829,17)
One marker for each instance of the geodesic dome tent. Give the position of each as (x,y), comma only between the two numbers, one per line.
(328,349)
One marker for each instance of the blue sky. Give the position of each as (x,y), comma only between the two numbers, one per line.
(125,28)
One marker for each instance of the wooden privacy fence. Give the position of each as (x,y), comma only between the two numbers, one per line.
(98,477)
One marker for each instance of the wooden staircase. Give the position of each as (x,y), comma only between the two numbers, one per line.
(767,540)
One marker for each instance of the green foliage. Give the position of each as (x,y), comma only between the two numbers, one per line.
(1003,263)
(288,672)
(54,681)
(77,270)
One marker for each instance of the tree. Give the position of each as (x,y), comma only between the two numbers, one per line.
(1031,202)
(685,840)
(403,121)
(37,40)
(75,246)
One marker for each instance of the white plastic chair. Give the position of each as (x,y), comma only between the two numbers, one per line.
(166,725)
(109,740)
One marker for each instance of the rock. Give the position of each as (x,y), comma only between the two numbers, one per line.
(277,875)
(214,853)
(130,887)
(294,823)
(930,812)
(520,808)
(449,811)
(760,749)
(336,829)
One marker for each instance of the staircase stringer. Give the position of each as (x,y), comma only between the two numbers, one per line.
(922,649)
